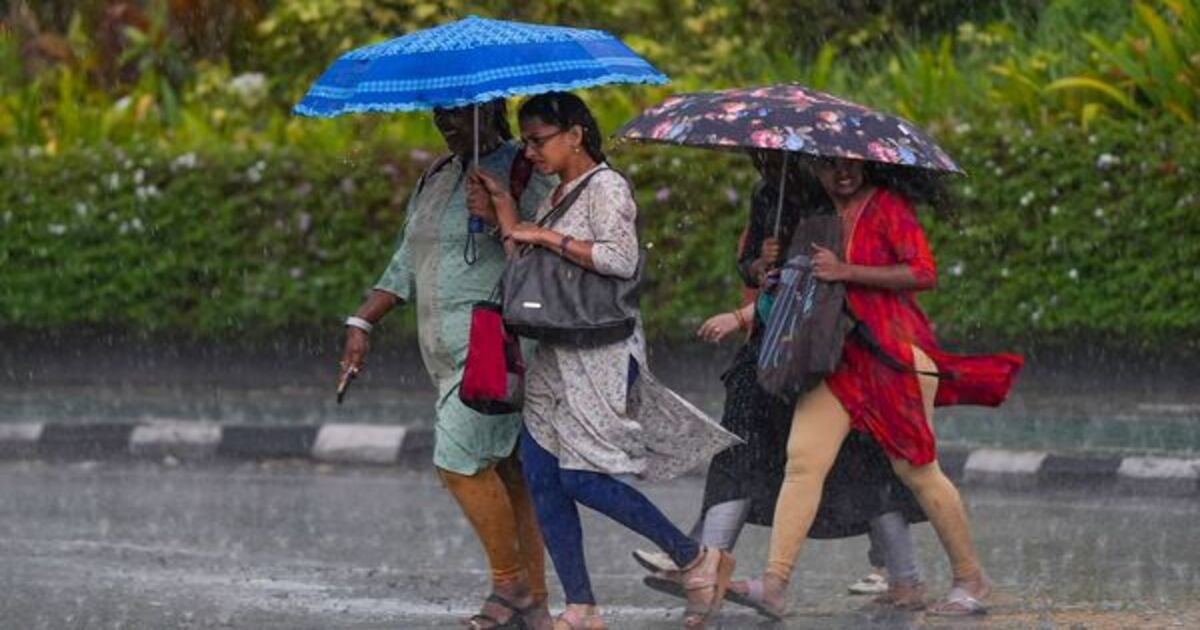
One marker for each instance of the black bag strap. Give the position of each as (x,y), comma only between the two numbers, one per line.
(863,332)
(565,203)
(433,170)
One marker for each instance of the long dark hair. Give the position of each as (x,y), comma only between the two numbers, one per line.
(565,110)
(920,186)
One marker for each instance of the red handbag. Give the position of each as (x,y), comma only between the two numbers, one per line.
(493,381)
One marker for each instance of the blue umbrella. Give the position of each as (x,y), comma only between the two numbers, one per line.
(472,61)
(469,62)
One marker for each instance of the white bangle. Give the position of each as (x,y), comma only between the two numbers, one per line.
(359,323)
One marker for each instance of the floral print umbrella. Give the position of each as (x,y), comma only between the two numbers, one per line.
(790,118)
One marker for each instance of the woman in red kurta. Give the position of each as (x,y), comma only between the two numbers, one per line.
(887,260)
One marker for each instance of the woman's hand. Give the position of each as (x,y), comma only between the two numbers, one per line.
(827,266)
(354,355)
(770,252)
(503,208)
(767,260)
(717,327)
(531,233)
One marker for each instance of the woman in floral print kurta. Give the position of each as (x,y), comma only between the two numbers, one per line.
(591,413)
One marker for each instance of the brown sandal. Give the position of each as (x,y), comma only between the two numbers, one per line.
(904,596)
(712,570)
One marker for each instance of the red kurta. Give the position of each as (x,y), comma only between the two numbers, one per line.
(883,401)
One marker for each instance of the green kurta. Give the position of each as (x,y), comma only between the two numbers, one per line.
(429,267)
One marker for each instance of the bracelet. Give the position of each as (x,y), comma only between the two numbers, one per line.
(357,322)
(741,319)
(562,247)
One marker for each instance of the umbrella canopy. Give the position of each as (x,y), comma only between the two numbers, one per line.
(472,61)
(787,118)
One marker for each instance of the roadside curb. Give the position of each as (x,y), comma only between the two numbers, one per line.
(392,444)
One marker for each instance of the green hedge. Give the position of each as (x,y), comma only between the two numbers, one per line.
(1064,233)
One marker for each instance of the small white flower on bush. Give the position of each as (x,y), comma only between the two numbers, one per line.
(1027,198)
(81,209)
(1036,316)
(56,229)
(135,224)
(1107,161)
(144,193)
(250,87)
(1073,274)
(663,194)
(968,191)
(962,128)
(1004,272)
(296,273)
(185,161)
(650,245)
(1054,210)
(958,268)
(731,194)
(113,181)
(122,104)
(304,221)
(139,176)
(1098,213)
(420,155)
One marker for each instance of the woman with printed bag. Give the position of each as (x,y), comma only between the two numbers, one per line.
(595,411)
(474,454)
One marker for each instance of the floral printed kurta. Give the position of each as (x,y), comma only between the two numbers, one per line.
(429,267)
(578,402)
(883,401)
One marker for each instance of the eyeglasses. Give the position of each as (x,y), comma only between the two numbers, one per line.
(537,142)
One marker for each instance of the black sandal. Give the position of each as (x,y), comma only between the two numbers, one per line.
(482,621)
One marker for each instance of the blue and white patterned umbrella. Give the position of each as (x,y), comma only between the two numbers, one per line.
(472,61)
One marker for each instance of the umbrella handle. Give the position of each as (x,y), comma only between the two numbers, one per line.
(782,190)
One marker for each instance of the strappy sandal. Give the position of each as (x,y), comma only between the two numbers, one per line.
(565,621)
(671,587)
(755,598)
(517,621)
(958,603)
(903,596)
(701,609)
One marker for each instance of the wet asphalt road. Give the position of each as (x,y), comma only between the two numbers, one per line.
(293,545)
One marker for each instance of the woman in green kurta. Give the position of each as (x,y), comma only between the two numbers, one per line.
(444,270)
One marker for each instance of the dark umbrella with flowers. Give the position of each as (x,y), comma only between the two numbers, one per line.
(788,118)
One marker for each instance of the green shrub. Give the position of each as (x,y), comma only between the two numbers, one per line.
(1064,233)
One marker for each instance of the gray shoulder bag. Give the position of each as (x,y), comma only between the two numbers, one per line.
(552,299)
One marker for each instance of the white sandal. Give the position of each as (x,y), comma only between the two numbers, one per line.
(870,584)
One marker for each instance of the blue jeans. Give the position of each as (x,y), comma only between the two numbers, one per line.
(555,494)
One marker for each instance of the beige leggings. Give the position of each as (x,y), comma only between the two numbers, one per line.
(819,425)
